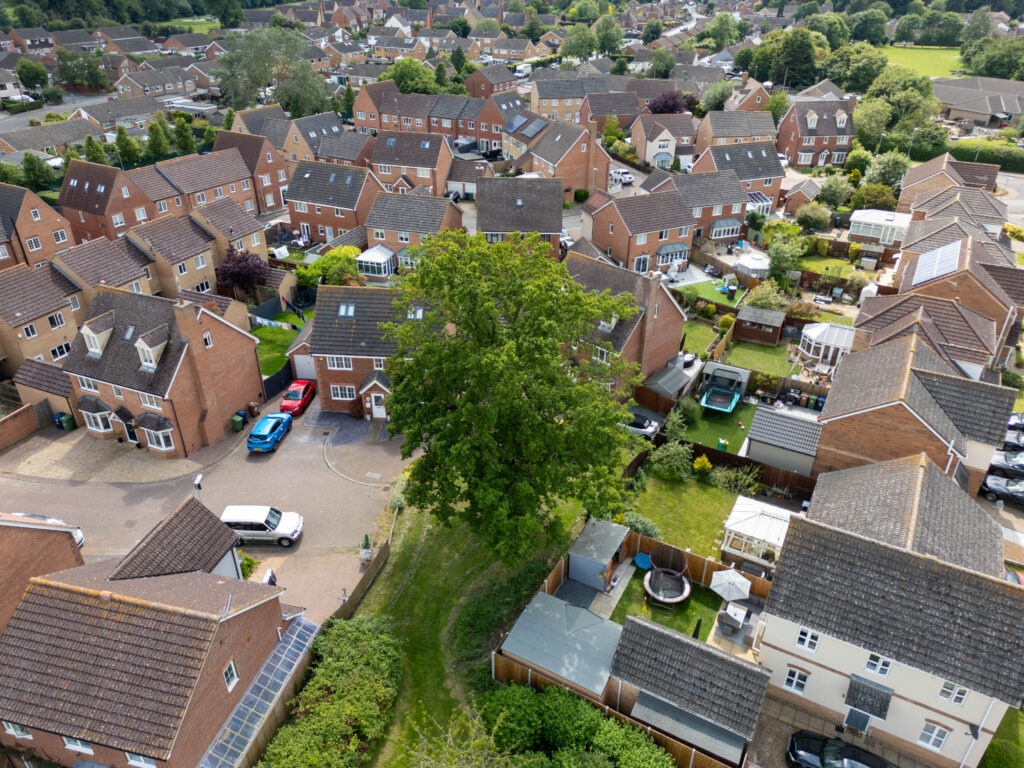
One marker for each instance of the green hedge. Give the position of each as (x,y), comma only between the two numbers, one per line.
(17,107)
(1001,153)
(347,703)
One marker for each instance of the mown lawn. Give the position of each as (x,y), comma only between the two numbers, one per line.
(288,317)
(698,335)
(713,425)
(274,342)
(832,317)
(825,265)
(707,291)
(195,24)
(702,606)
(932,62)
(759,357)
(689,514)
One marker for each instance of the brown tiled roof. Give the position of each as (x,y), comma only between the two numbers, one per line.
(27,293)
(191,538)
(649,213)
(105,262)
(194,173)
(152,182)
(251,146)
(211,301)
(227,218)
(81,183)
(46,377)
(172,238)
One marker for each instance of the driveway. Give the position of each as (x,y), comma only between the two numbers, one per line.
(334,470)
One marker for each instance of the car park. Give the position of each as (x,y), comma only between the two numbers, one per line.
(622,176)
(644,423)
(297,397)
(76,533)
(995,488)
(807,749)
(256,523)
(1007,464)
(268,433)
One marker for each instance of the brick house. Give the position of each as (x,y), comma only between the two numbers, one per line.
(102,201)
(817,133)
(722,128)
(391,49)
(349,349)
(40,310)
(513,49)
(174,605)
(718,203)
(31,40)
(641,233)
(345,53)
(252,119)
(748,96)
(228,226)
(207,76)
(31,232)
(129,112)
(351,148)
(650,338)
(944,172)
(369,101)
(397,222)
(324,200)
(201,179)
(190,43)
(800,194)
(508,205)
(163,374)
(405,161)
(559,98)
(161,82)
(903,390)
(265,165)
(756,164)
(659,139)
(181,253)
(116,263)
(568,152)
(75,40)
(134,46)
(489,80)
(624,107)
(52,138)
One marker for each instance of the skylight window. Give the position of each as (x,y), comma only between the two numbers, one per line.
(346,309)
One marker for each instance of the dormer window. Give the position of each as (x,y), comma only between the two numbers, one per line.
(146,356)
(812,120)
(840,119)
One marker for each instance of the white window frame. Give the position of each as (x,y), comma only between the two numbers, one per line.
(17,731)
(200,261)
(34,244)
(56,320)
(378,363)
(118,220)
(160,440)
(230,676)
(644,260)
(161,207)
(150,401)
(953,693)
(641,239)
(207,340)
(60,236)
(200,198)
(182,268)
(118,393)
(61,351)
(933,736)
(88,385)
(77,745)
(98,422)
(808,639)
(339,363)
(796,680)
(139,761)
(30,331)
(343,392)
(878,664)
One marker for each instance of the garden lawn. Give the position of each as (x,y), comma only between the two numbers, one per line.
(714,424)
(288,317)
(698,335)
(703,605)
(689,514)
(759,357)
(706,290)
(819,265)
(274,342)
(832,317)
(932,62)
(1018,404)
(203,26)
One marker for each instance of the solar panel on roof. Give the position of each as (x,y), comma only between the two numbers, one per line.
(516,123)
(941,261)
(534,128)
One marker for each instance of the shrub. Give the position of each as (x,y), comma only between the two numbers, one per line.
(247,563)
(710,310)
(813,217)
(512,714)
(702,466)
(671,461)
(803,310)
(688,410)
(755,220)
(568,721)
(1012,379)
(854,252)
(725,322)
(743,480)
(580,758)
(630,747)
(855,177)
(855,283)
(53,94)
(397,501)
(580,195)
(642,525)
(996,152)
(1014,231)
(765,381)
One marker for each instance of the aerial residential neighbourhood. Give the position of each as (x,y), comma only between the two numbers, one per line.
(449,383)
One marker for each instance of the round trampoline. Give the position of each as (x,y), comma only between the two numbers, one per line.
(663,582)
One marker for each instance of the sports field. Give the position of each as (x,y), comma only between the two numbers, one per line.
(197,24)
(933,62)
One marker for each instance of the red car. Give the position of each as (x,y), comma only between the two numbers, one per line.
(298,397)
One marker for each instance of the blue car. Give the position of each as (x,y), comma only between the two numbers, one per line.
(268,432)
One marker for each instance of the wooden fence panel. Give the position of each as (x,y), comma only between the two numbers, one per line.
(555,578)
(699,569)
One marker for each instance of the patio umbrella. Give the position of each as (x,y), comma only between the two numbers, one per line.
(730,584)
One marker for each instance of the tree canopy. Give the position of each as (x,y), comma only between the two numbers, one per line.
(242,271)
(486,383)
(579,42)
(257,59)
(609,35)
(305,92)
(80,68)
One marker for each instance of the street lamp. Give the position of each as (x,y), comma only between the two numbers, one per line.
(878,146)
(913,136)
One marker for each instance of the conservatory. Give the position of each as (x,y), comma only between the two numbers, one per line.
(754,533)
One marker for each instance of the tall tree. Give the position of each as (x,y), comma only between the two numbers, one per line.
(778,105)
(662,64)
(242,271)
(411,77)
(257,59)
(128,148)
(94,151)
(888,169)
(869,26)
(652,31)
(533,29)
(304,92)
(797,63)
(183,136)
(722,31)
(609,35)
(854,67)
(31,74)
(978,26)
(348,101)
(80,68)
(36,173)
(441,76)
(460,26)
(487,387)
(715,96)
(158,144)
(833,26)
(229,119)
(458,59)
(579,42)
(228,12)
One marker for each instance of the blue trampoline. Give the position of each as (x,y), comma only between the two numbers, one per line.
(722,394)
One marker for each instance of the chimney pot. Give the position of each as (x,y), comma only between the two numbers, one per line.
(743,81)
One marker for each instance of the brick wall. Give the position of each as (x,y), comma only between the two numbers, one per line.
(16,426)
(325,377)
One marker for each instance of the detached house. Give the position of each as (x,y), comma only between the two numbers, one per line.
(660,139)
(39,314)
(116,263)
(568,152)
(404,161)
(397,222)
(641,233)
(717,201)
(31,40)
(890,616)
(509,205)
(748,96)
(163,374)
(944,172)
(181,252)
(31,232)
(326,200)
(756,165)
(191,43)
(817,132)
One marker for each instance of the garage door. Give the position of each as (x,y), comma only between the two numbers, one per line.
(304,367)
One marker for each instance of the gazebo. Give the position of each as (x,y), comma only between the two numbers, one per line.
(826,343)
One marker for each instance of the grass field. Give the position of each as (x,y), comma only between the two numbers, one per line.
(759,357)
(197,24)
(706,290)
(822,265)
(933,62)
(689,514)
(714,424)
(702,605)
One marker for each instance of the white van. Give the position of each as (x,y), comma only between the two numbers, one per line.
(259,523)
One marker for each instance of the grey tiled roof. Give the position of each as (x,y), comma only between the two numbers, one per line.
(27,294)
(137,106)
(105,262)
(519,205)
(51,135)
(979,410)
(951,622)
(191,538)
(650,213)
(344,147)
(692,675)
(119,364)
(416,150)
(254,118)
(755,160)
(826,124)
(227,218)
(12,199)
(497,74)
(250,145)
(46,377)
(738,124)
(326,184)
(705,190)
(193,173)
(314,128)
(408,213)
(908,503)
(359,335)
(976,205)
(152,182)
(770,317)
(783,431)
(211,301)
(173,239)
(603,276)
(575,88)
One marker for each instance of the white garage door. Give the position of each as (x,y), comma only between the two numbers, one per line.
(304,368)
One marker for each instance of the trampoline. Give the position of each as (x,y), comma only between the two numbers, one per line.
(666,585)
(722,394)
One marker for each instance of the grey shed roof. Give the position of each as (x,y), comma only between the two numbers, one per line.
(337,186)
(46,377)
(756,160)
(909,503)
(952,622)
(519,205)
(408,213)
(770,317)
(599,540)
(691,675)
(568,641)
(191,538)
(783,431)
(356,334)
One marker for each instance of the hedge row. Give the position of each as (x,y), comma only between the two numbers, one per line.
(347,702)
(1007,156)
(17,107)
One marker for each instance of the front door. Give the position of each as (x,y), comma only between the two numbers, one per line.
(129,433)
(330,234)
(379,412)
(304,230)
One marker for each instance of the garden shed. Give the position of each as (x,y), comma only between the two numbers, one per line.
(596,553)
(761,326)
(781,439)
(754,534)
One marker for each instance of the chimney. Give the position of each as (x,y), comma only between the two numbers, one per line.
(743,81)
(852,98)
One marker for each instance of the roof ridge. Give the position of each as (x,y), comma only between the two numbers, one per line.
(114,596)
(915,509)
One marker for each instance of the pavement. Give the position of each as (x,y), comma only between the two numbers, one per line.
(335,470)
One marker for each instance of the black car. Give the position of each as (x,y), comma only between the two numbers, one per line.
(1007,464)
(1016,421)
(710,269)
(995,487)
(812,750)
(1014,440)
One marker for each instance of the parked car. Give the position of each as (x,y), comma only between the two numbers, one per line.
(1014,440)
(1016,421)
(255,523)
(644,423)
(813,750)
(453,195)
(622,176)
(995,487)
(784,160)
(711,269)
(1007,464)
(268,432)
(298,397)
(565,240)
(76,534)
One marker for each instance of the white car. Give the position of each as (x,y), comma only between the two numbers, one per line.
(622,176)
(784,160)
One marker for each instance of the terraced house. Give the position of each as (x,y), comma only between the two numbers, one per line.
(31,231)
(326,200)
(40,310)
